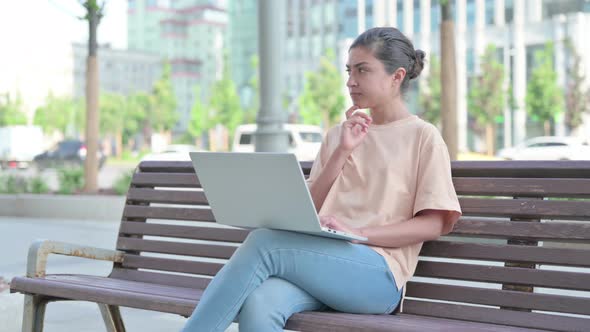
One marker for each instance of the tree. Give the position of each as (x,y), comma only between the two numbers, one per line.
(544,98)
(62,114)
(577,100)
(11,112)
(200,121)
(448,80)
(322,101)
(225,103)
(486,97)
(93,16)
(429,97)
(163,107)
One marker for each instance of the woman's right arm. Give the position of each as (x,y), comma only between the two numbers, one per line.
(321,186)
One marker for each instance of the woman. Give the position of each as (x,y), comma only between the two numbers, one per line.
(385,176)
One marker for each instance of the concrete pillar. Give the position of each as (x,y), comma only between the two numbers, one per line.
(479,43)
(461,20)
(499,13)
(519,73)
(270,135)
(408,28)
(379,13)
(361,15)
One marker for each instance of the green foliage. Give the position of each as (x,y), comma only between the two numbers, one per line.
(122,183)
(70,179)
(225,103)
(11,112)
(430,94)
(13,184)
(62,114)
(37,185)
(162,114)
(486,97)
(200,121)
(544,98)
(322,101)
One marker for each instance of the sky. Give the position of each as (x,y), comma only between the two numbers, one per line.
(36,38)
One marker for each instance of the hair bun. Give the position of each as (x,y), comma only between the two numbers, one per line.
(418,65)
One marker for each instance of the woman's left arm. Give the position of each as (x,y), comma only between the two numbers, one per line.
(425,226)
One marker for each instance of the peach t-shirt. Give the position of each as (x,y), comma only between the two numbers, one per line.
(400,169)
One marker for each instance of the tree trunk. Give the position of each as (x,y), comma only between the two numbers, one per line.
(490,139)
(119,143)
(547,127)
(92,115)
(448,80)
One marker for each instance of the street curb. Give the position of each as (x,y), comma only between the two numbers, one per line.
(79,207)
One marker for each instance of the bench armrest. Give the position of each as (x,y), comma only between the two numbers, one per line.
(40,250)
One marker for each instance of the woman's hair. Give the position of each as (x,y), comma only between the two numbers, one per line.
(394,50)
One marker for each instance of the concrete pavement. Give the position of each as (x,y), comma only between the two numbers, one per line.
(15,236)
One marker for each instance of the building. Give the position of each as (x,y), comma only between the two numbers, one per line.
(121,71)
(189,34)
(518,28)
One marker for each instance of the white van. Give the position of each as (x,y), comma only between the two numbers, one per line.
(304,140)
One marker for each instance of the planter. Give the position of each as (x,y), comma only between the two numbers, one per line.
(79,207)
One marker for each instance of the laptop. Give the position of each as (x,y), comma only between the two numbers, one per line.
(260,190)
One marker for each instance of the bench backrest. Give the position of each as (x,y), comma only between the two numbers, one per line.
(519,256)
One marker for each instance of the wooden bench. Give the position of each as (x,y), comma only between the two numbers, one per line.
(518,259)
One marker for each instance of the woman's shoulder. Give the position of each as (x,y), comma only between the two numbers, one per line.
(429,133)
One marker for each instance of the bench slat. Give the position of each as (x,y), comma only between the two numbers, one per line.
(498,274)
(496,316)
(176,248)
(171,265)
(180,180)
(513,253)
(497,297)
(524,208)
(160,278)
(515,187)
(184,232)
(150,212)
(166,166)
(522,169)
(568,231)
(146,195)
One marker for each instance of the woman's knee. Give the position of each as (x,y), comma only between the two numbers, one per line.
(260,235)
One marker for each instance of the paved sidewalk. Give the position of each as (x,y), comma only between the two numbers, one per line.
(15,237)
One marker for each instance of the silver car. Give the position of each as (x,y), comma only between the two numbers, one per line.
(548,148)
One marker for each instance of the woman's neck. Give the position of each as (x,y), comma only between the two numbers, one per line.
(386,113)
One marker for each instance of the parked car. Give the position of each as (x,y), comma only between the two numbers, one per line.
(66,153)
(173,152)
(19,145)
(304,140)
(548,148)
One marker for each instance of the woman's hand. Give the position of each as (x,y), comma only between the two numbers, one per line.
(335,224)
(354,129)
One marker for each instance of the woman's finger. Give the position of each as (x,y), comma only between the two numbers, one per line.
(350,111)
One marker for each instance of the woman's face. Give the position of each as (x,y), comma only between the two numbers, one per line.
(368,83)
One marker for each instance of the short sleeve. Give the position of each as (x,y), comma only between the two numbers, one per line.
(435,189)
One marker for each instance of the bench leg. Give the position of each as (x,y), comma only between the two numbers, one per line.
(112,317)
(34,313)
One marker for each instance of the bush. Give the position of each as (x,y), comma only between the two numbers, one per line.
(38,186)
(13,184)
(122,183)
(70,179)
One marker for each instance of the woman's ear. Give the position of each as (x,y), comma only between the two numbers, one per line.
(399,75)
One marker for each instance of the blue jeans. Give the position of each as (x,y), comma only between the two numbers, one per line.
(275,274)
